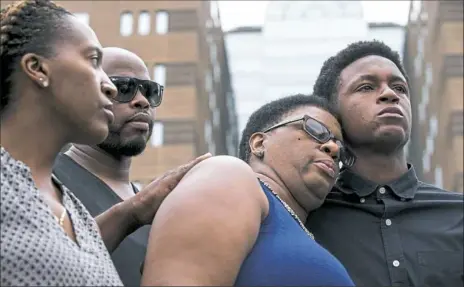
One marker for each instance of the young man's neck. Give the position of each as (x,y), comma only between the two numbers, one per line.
(101,163)
(380,168)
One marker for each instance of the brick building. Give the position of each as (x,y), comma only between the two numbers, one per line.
(182,45)
(433,56)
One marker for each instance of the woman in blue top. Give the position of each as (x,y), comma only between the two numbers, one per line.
(223,226)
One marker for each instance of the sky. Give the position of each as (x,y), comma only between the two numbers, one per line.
(250,13)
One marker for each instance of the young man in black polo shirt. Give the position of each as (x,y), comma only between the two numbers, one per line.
(387,227)
(99,175)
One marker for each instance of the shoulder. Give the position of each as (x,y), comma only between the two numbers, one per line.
(220,177)
(437,192)
(17,182)
(226,167)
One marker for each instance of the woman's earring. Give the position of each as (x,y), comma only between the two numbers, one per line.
(44,82)
(260,154)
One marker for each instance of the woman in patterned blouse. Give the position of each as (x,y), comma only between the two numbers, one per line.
(54,91)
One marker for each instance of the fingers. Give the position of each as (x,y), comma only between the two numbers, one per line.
(182,170)
(194,162)
(173,176)
(147,201)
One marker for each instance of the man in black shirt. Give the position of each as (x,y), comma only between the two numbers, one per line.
(387,227)
(99,175)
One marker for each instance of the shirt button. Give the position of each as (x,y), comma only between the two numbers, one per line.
(388,222)
(382,190)
(362,200)
(396,263)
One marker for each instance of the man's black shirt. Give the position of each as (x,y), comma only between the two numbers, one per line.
(98,197)
(406,233)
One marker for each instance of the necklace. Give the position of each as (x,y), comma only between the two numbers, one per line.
(289,209)
(61,219)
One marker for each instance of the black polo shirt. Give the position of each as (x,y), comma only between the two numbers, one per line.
(406,233)
(97,197)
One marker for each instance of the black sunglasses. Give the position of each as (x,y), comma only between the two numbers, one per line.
(128,87)
(321,134)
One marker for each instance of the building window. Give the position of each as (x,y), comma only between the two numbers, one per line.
(214,12)
(429,145)
(144,23)
(415,10)
(126,24)
(157,135)
(217,72)
(209,39)
(212,100)
(433,126)
(208,82)
(213,52)
(429,75)
(83,17)
(160,74)
(216,118)
(162,22)
(422,112)
(209,137)
(439,177)
(426,162)
(209,23)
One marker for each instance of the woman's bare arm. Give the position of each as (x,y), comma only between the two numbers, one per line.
(206,227)
(124,218)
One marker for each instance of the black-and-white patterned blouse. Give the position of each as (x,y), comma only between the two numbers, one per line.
(35,250)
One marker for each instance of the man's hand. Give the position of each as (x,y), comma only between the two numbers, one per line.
(144,204)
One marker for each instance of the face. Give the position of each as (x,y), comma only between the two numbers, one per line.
(374,104)
(80,89)
(134,120)
(307,167)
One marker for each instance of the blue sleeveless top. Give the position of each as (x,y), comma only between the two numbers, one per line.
(284,255)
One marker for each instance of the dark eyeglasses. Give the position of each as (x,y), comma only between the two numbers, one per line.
(321,134)
(128,87)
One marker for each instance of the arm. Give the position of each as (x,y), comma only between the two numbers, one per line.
(115,224)
(206,227)
(126,217)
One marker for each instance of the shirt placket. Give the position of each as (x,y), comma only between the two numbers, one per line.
(393,248)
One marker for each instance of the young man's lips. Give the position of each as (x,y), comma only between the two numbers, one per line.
(390,115)
(391,112)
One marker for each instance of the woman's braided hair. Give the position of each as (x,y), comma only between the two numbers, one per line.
(28,26)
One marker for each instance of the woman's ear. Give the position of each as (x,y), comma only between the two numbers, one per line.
(36,68)
(256,143)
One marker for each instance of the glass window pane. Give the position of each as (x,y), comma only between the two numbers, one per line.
(162,22)
(144,23)
(126,24)
(160,74)
(156,138)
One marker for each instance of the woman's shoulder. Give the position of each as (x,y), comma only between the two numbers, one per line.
(17,184)
(225,176)
(224,166)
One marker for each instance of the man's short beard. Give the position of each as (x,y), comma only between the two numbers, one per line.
(114,146)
